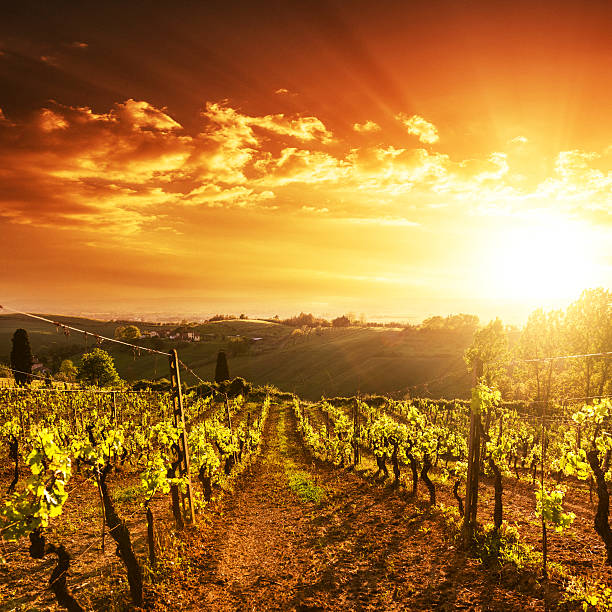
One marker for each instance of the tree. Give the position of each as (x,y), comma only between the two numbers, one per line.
(342,321)
(541,337)
(460,322)
(490,345)
(21,357)
(589,330)
(127,332)
(98,368)
(222,370)
(67,370)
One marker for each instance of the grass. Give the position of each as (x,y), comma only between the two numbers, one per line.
(298,481)
(304,487)
(128,494)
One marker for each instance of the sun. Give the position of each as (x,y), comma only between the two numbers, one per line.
(549,260)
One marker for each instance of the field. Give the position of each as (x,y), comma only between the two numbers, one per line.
(324,361)
(286,516)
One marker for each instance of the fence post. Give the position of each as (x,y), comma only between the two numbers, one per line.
(543,453)
(356,431)
(179,421)
(473,467)
(229,423)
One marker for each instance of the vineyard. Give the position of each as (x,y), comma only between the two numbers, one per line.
(266,501)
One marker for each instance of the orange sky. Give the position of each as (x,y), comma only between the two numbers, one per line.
(395,158)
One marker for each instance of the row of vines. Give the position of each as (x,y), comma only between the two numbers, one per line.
(414,438)
(54,437)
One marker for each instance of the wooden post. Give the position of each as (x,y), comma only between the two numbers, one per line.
(248,433)
(543,453)
(179,421)
(114,409)
(544,533)
(356,432)
(473,467)
(227,414)
(229,423)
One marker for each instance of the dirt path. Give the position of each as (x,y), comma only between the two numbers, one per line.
(361,548)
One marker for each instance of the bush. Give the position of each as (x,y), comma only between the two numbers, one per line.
(233,388)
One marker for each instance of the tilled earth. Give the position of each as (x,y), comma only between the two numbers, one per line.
(363,547)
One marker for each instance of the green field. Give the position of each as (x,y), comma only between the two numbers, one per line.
(324,361)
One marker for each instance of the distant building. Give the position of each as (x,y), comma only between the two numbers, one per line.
(185,336)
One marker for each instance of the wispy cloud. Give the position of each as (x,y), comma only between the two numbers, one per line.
(52,60)
(366,127)
(425,131)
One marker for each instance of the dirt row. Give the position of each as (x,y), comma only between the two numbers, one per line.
(363,547)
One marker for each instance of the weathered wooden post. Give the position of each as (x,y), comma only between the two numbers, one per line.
(543,454)
(229,424)
(473,467)
(228,414)
(247,441)
(179,422)
(356,431)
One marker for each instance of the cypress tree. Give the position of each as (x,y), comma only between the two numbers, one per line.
(221,371)
(21,357)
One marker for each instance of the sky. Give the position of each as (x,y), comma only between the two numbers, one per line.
(392,159)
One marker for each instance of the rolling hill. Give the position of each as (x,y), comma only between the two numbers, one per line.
(311,362)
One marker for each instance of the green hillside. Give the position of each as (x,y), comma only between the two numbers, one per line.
(314,362)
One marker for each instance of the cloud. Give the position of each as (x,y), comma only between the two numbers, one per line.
(577,184)
(425,131)
(134,167)
(49,59)
(383,221)
(50,121)
(215,196)
(68,166)
(314,209)
(118,169)
(144,116)
(295,165)
(78,45)
(367,127)
(240,126)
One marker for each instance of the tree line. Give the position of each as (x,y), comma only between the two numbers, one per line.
(584,328)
